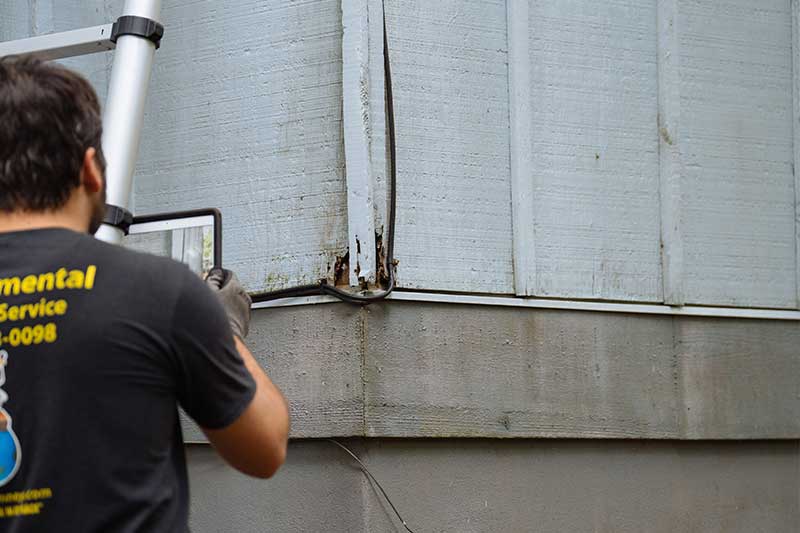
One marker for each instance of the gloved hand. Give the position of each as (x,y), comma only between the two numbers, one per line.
(233,297)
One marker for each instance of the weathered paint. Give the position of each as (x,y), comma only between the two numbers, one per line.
(246,115)
(692,151)
(379,150)
(408,369)
(739,379)
(796,135)
(357,126)
(669,152)
(451,105)
(316,358)
(522,170)
(737,191)
(595,149)
(16,21)
(435,370)
(451,485)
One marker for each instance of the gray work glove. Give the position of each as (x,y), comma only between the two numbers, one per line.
(233,298)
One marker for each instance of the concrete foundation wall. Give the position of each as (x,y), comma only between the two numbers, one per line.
(471,485)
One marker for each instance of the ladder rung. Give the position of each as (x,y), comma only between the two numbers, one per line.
(64,44)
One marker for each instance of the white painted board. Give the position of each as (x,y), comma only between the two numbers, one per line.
(451,104)
(738,186)
(595,149)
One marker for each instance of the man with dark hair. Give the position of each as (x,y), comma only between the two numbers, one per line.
(99,344)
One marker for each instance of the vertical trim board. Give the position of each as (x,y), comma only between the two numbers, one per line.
(356,119)
(519,91)
(796,136)
(379,148)
(669,155)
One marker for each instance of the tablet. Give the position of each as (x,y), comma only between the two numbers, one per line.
(191,237)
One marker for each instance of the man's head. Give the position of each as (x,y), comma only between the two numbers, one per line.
(51,161)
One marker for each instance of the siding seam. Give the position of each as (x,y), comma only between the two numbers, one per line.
(669,154)
(796,138)
(520,144)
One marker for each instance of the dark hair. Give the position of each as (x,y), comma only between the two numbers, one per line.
(49,117)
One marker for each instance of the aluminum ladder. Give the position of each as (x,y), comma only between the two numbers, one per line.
(134,37)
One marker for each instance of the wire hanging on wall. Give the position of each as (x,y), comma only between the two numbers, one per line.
(374,480)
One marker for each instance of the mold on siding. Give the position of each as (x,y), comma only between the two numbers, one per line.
(245,113)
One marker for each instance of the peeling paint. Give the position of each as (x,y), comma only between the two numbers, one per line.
(341,270)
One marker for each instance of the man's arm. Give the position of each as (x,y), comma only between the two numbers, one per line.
(255,443)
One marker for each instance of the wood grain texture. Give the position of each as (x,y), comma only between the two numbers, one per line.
(378,141)
(434,370)
(738,188)
(796,135)
(451,104)
(245,113)
(449,370)
(520,131)
(15,20)
(739,378)
(19,20)
(357,125)
(670,146)
(595,149)
(314,354)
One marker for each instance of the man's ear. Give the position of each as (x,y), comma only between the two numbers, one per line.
(91,175)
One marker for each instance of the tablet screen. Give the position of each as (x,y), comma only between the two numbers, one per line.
(191,237)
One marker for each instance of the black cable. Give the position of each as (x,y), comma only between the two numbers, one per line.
(371,477)
(323,287)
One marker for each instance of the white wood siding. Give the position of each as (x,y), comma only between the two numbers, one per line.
(737,192)
(652,158)
(451,106)
(245,114)
(595,149)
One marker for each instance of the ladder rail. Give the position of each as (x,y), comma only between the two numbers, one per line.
(124,112)
(62,45)
(134,41)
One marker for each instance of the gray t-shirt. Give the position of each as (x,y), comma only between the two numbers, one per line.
(98,347)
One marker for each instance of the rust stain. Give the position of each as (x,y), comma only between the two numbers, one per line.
(341,270)
(382,275)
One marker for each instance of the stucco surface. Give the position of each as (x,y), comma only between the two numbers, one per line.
(477,485)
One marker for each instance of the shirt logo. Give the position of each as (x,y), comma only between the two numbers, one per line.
(10,453)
